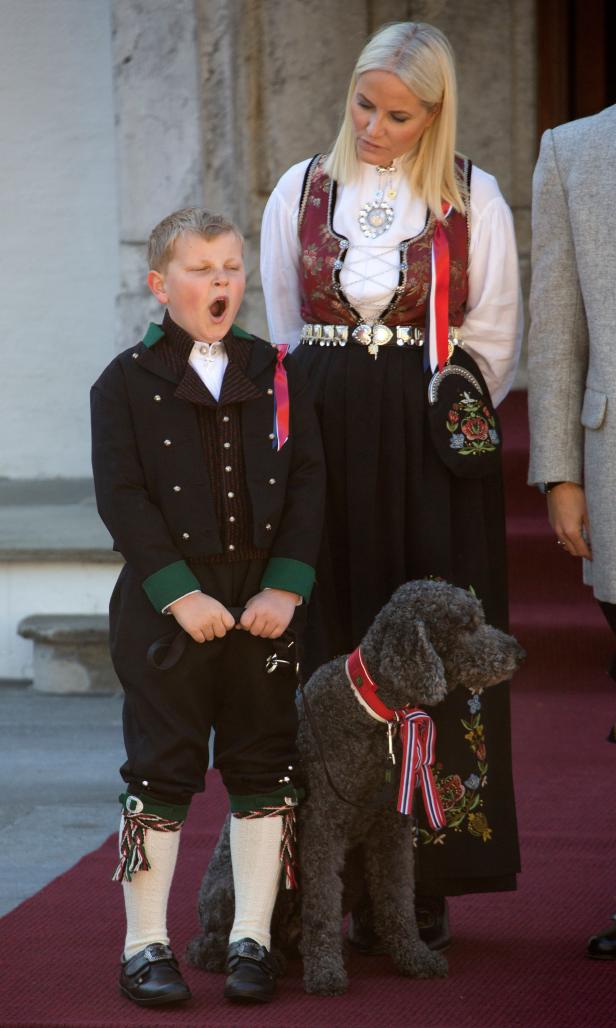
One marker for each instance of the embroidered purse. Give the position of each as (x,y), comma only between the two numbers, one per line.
(463,423)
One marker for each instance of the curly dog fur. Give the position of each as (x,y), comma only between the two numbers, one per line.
(428,639)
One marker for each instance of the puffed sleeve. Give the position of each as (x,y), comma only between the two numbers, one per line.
(280,254)
(493,326)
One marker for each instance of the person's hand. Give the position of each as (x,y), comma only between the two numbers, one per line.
(569,518)
(202,617)
(269,613)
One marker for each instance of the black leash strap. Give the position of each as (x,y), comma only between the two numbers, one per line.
(166,652)
(380,800)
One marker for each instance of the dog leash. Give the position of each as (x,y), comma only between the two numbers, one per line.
(386,794)
(165,652)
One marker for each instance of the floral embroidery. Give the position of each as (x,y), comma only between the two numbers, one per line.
(472,427)
(462,800)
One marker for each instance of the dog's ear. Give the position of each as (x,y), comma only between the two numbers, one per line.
(415,668)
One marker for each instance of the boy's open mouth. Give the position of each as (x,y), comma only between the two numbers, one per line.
(218,308)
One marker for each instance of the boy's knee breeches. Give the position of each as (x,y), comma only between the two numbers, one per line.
(232,685)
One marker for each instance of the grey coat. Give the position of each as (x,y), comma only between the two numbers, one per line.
(572,338)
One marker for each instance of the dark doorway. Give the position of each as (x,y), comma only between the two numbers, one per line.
(576,75)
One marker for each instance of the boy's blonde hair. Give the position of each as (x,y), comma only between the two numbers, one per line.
(197,220)
(421,57)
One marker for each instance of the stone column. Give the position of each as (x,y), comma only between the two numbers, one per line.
(158,119)
(274,76)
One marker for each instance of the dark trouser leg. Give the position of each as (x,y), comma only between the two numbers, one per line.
(609,611)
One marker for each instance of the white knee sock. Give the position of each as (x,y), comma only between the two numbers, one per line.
(145,897)
(255,855)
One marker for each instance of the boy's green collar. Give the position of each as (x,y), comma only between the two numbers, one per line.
(155,332)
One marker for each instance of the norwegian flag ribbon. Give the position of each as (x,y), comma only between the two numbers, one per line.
(418,736)
(281,399)
(437,322)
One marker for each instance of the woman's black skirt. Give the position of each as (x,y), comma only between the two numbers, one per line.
(395,513)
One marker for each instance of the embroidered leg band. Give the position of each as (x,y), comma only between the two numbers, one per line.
(281,803)
(138,817)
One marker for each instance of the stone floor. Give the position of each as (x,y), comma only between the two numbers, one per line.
(58,768)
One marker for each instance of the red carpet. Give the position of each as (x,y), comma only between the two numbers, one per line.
(517,959)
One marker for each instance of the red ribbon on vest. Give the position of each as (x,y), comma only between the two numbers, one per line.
(439,296)
(418,736)
(281,399)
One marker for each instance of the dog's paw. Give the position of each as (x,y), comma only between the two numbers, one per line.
(210,954)
(326,981)
(422,962)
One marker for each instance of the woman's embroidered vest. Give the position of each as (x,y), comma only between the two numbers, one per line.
(323,254)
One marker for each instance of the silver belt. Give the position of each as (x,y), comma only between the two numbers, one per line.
(371,335)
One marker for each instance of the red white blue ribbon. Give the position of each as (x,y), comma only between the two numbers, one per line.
(281,399)
(438,308)
(418,736)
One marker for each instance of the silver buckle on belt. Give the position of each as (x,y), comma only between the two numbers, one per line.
(372,336)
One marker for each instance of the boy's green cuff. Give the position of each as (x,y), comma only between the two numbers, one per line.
(168,584)
(170,811)
(242,804)
(292,575)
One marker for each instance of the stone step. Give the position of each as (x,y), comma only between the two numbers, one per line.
(71,653)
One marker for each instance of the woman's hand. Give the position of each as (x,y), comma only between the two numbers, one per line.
(202,617)
(269,613)
(569,518)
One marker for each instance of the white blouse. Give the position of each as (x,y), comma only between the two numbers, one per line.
(493,325)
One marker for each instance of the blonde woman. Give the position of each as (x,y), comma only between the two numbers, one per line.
(354,279)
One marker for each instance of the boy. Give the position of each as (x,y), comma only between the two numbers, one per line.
(209,476)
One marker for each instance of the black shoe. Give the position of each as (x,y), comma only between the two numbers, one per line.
(251,974)
(603,947)
(432,922)
(432,915)
(152,977)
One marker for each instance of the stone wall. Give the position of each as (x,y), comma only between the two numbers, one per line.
(58,229)
(274,76)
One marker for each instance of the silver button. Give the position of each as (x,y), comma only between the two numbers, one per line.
(230,495)
(134,356)
(145,783)
(166,442)
(268,527)
(157,397)
(228,468)
(226,445)
(270,392)
(271,436)
(185,535)
(225,418)
(177,488)
(232,519)
(231,546)
(272,481)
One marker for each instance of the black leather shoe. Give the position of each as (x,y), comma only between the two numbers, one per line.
(432,914)
(603,947)
(152,977)
(251,974)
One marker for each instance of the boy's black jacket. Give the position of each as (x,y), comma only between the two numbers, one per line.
(135,471)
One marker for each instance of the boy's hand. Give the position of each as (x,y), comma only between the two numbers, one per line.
(202,617)
(269,612)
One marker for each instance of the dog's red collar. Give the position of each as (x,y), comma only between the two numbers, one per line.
(418,736)
(364,685)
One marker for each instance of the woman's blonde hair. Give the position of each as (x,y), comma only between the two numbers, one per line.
(421,57)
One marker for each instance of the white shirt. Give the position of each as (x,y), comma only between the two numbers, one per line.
(210,361)
(493,325)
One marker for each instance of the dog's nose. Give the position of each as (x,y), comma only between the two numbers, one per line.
(519,653)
